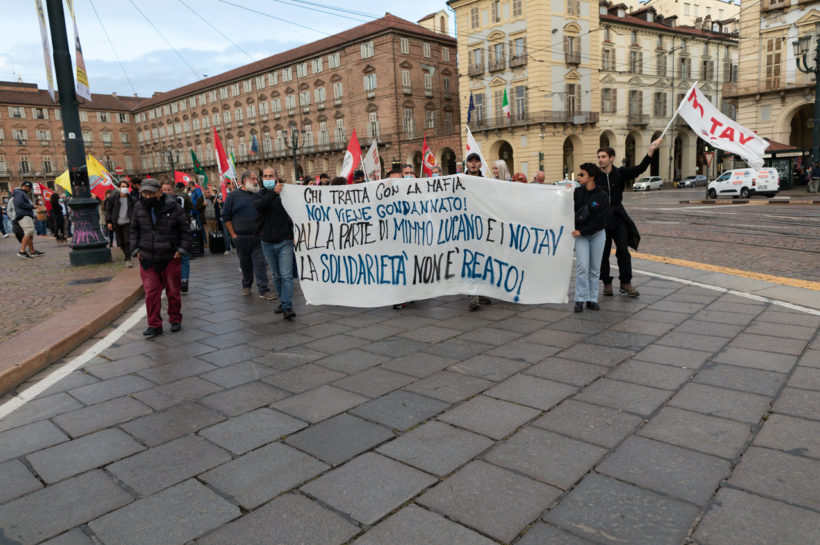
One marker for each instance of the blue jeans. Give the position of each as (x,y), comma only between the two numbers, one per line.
(186,267)
(226,236)
(279,256)
(40,227)
(588,253)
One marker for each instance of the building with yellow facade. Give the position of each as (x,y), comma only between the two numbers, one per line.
(774,97)
(580,75)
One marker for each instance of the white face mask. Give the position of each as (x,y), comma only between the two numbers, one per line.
(250,186)
(124,190)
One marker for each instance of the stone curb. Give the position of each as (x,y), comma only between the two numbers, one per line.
(774,200)
(59,334)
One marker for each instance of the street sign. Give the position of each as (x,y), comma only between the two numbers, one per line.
(119,170)
(708,156)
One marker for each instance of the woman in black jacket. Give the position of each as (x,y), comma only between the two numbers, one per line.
(591,214)
(56,221)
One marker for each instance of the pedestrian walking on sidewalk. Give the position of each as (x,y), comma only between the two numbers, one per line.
(24,217)
(178,191)
(277,239)
(118,218)
(56,220)
(591,215)
(815,178)
(239,216)
(160,236)
(613,180)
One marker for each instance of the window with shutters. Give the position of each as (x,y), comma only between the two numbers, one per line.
(409,124)
(263,108)
(773,61)
(84,116)
(425,49)
(707,70)
(445,54)
(260,82)
(39,113)
(478,102)
(428,84)
(319,95)
(609,101)
(573,98)
(516,8)
(495,11)
(290,104)
(659,109)
(287,73)
(405,82)
(608,60)
(43,136)
(301,70)
(367,50)
(572,53)
(635,102)
(519,102)
(316,65)
(445,86)
(334,60)
(404,44)
(48,166)
(448,122)
(685,68)
(226,116)
(124,135)
(339,133)
(473,17)
(251,111)
(216,120)
(235,89)
(194,123)
(373,125)
(238,115)
(636,62)
(247,86)
(106,138)
(223,93)
(370,85)
(338,91)
(276,106)
(323,136)
(429,119)
(574,7)
(304,98)
(661,64)
(25,166)
(273,78)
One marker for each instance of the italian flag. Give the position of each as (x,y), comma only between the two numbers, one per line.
(505,104)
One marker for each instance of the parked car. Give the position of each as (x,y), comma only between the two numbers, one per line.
(648,183)
(744,183)
(694,180)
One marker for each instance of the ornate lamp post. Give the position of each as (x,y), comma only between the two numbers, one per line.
(801,51)
(293,144)
(172,158)
(88,245)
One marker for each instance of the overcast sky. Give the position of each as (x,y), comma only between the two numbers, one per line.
(257,28)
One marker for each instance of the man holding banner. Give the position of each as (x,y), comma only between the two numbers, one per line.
(613,181)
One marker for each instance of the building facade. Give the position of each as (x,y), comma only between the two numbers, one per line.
(647,65)
(774,98)
(32,140)
(388,80)
(580,75)
(538,53)
(692,12)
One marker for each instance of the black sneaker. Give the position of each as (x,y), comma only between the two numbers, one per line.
(579,306)
(184,288)
(37,253)
(24,255)
(288,314)
(176,327)
(592,305)
(152,332)
(279,309)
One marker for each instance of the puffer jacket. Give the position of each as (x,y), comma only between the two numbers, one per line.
(158,240)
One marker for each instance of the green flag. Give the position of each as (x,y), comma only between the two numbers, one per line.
(197,167)
(505,104)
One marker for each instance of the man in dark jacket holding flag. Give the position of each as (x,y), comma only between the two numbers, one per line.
(613,181)
(160,236)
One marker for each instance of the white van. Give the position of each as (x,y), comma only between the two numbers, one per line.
(745,182)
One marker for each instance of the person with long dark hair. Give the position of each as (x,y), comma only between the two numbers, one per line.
(592,211)
(56,220)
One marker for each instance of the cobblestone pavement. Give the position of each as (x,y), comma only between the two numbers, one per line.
(683,416)
(37,288)
(782,240)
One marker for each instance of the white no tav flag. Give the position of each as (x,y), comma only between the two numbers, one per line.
(720,131)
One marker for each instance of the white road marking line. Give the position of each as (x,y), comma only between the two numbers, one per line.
(64,370)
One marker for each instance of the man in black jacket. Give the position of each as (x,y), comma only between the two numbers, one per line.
(613,180)
(160,236)
(277,239)
(118,217)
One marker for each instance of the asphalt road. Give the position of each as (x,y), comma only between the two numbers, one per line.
(781,240)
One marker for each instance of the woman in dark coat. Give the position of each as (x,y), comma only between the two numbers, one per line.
(56,221)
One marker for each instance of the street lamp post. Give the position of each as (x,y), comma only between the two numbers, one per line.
(172,157)
(88,245)
(801,51)
(294,146)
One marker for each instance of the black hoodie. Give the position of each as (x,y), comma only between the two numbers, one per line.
(598,206)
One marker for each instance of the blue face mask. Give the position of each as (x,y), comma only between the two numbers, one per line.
(269,184)
(408,176)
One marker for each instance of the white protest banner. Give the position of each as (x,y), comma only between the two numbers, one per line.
(395,240)
(371,164)
(44,38)
(720,131)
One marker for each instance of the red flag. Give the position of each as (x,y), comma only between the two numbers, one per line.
(46,193)
(428,160)
(353,156)
(226,172)
(182,177)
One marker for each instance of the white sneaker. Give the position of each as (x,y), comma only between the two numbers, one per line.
(6,235)
(227,252)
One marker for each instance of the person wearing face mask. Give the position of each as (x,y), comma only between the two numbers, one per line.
(473,168)
(240,219)
(160,235)
(407,171)
(276,232)
(118,218)
(185,203)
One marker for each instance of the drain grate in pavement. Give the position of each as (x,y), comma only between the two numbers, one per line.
(89,281)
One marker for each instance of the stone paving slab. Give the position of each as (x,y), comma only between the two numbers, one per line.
(793,479)
(487,416)
(400,409)
(613,512)
(251,430)
(703,433)
(368,487)
(171,517)
(495,501)
(16,480)
(413,525)
(340,438)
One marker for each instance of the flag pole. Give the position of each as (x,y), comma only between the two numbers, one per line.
(676,111)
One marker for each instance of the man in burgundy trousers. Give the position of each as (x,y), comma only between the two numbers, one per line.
(160,236)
